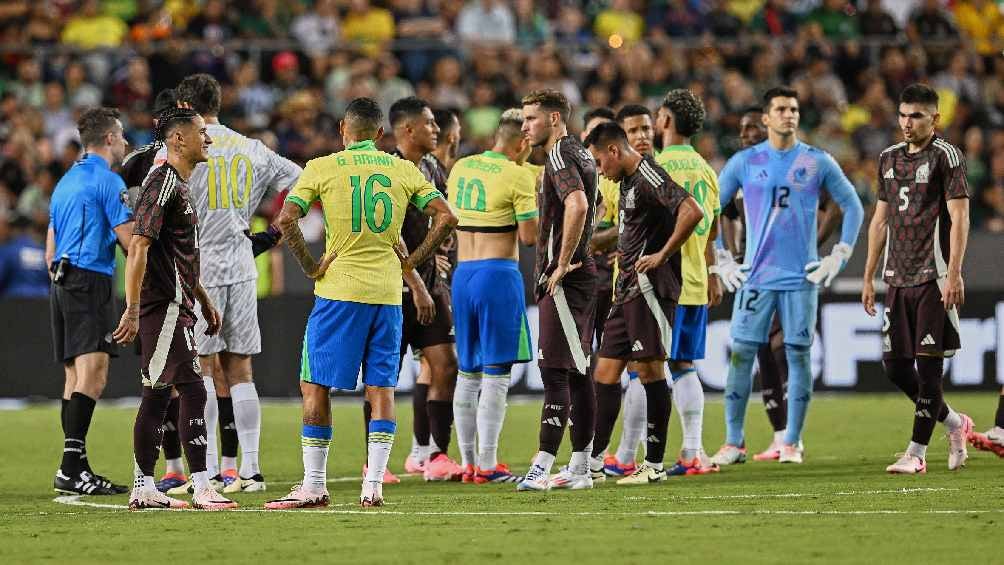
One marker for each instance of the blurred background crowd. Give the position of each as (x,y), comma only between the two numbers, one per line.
(289,67)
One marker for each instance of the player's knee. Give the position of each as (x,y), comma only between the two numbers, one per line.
(651,371)
(743,350)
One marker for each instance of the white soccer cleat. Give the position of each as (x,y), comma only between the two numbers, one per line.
(535,480)
(791,453)
(209,499)
(147,498)
(371,495)
(908,465)
(300,497)
(645,474)
(566,479)
(957,452)
(596,469)
(729,455)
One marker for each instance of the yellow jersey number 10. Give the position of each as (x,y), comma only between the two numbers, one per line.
(225,181)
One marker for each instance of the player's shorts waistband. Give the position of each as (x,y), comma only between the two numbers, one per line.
(508,264)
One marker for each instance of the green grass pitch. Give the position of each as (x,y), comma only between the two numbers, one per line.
(839,506)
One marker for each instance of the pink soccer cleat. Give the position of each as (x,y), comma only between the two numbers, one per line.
(468,474)
(957,452)
(908,465)
(388,477)
(209,499)
(414,466)
(993,440)
(147,498)
(442,468)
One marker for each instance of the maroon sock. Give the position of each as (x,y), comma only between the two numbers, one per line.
(171,444)
(421,424)
(440,423)
(148,430)
(773,376)
(608,406)
(557,405)
(192,424)
(930,401)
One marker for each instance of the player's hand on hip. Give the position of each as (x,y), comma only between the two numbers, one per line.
(732,274)
(954,293)
(128,325)
(824,270)
(715,293)
(322,267)
(559,273)
(425,307)
(648,262)
(868,298)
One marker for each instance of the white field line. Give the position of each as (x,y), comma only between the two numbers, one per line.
(797,494)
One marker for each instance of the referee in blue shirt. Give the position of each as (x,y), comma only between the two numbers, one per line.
(87,216)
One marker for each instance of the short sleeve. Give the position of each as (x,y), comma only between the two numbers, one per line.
(285,173)
(114,201)
(420,191)
(955,183)
(669,195)
(566,180)
(307,188)
(153,202)
(524,201)
(880,193)
(713,196)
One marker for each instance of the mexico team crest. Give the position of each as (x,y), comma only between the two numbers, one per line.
(923,173)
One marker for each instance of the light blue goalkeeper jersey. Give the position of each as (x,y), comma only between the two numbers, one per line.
(781,196)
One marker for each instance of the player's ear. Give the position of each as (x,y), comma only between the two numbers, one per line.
(935,118)
(379,133)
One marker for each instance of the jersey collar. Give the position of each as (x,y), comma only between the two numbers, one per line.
(367,145)
(685,147)
(494,155)
(97,159)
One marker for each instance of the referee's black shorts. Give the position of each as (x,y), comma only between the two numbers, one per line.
(83,310)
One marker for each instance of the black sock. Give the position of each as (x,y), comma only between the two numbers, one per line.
(171,444)
(192,424)
(930,400)
(773,376)
(62,415)
(582,416)
(657,394)
(554,414)
(420,407)
(903,374)
(367,416)
(79,411)
(608,406)
(147,432)
(999,419)
(228,427)
(440,423)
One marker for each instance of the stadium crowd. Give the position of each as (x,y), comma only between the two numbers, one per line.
(289,69)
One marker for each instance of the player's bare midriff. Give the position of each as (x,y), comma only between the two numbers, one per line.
(474,246)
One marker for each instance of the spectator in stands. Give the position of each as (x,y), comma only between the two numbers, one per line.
(721,22)
(532,26)
(619,20)
(372,28)
(416,21)
(929,22)
(254,98)
(958,79)
(22,258)
(317,30)
(213,24)
(486,21)
(993,196)
(28,87)
(875,21)
(33,203)
(267,20)
(79,92)
(837,19)
(286,75)
(90,28)
(774,19)
(983,22)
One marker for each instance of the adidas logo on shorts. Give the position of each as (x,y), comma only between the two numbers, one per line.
(637,346)
(928,340)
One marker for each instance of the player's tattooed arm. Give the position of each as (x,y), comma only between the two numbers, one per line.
(291,234)
(876,243)
(443,223)
(425,306)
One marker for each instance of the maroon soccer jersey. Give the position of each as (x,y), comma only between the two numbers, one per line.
(648,204)
(165,214)
(917,188)
(416,223)
(569,167)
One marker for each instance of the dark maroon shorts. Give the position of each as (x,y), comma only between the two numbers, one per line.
(639,329)
(567,322)
(604,301)
(440,331)
(167,349)
(916,323)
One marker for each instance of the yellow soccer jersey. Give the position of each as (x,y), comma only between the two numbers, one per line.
(611,192)
(363,193)
(492,193)
(688,169)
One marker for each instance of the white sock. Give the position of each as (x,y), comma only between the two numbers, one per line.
(228,463)
(465,416)
(201,480)
(688,395)
(491,415)
(917,450)
(579,463)
(247,417)
(212,414)
(545,461)
(953,421)
(378,453)
(656,466)
(138,480)
(779,437)
(175,466)
(635,421)
(416,452)
(315,467)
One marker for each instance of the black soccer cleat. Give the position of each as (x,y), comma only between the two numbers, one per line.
(81,483)
(108,484)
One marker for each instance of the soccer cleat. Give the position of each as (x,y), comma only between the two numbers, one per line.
(993,440)
(81,483)
(414,466)
(957,452)
(908,465)
(442,468)
(772,453)
(255,483)
(388,477)
(209,499)
(791,453)
(500,474)
(185,488)
(146,498)
(566,479)
(468,474)
(643,475)
(700,465)
(108,484)
(170,481)
(231,481)
(614,468)
(372,495)
(729,455)
(300,497)
(535,480)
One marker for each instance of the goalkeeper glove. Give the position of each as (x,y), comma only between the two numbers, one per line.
(823,271)
(732,274)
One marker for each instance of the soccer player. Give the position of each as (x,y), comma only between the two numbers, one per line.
(993,440)
(162,285)
(448,143)
(922,221)
(656,218)
(681,116)
(356,321)
(416,134)
(565,287)
(88,215)
(496,202)
(781,180)
(227,190)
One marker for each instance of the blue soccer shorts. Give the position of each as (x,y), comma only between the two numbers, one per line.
(690,329)
(343,336)
(796,309)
